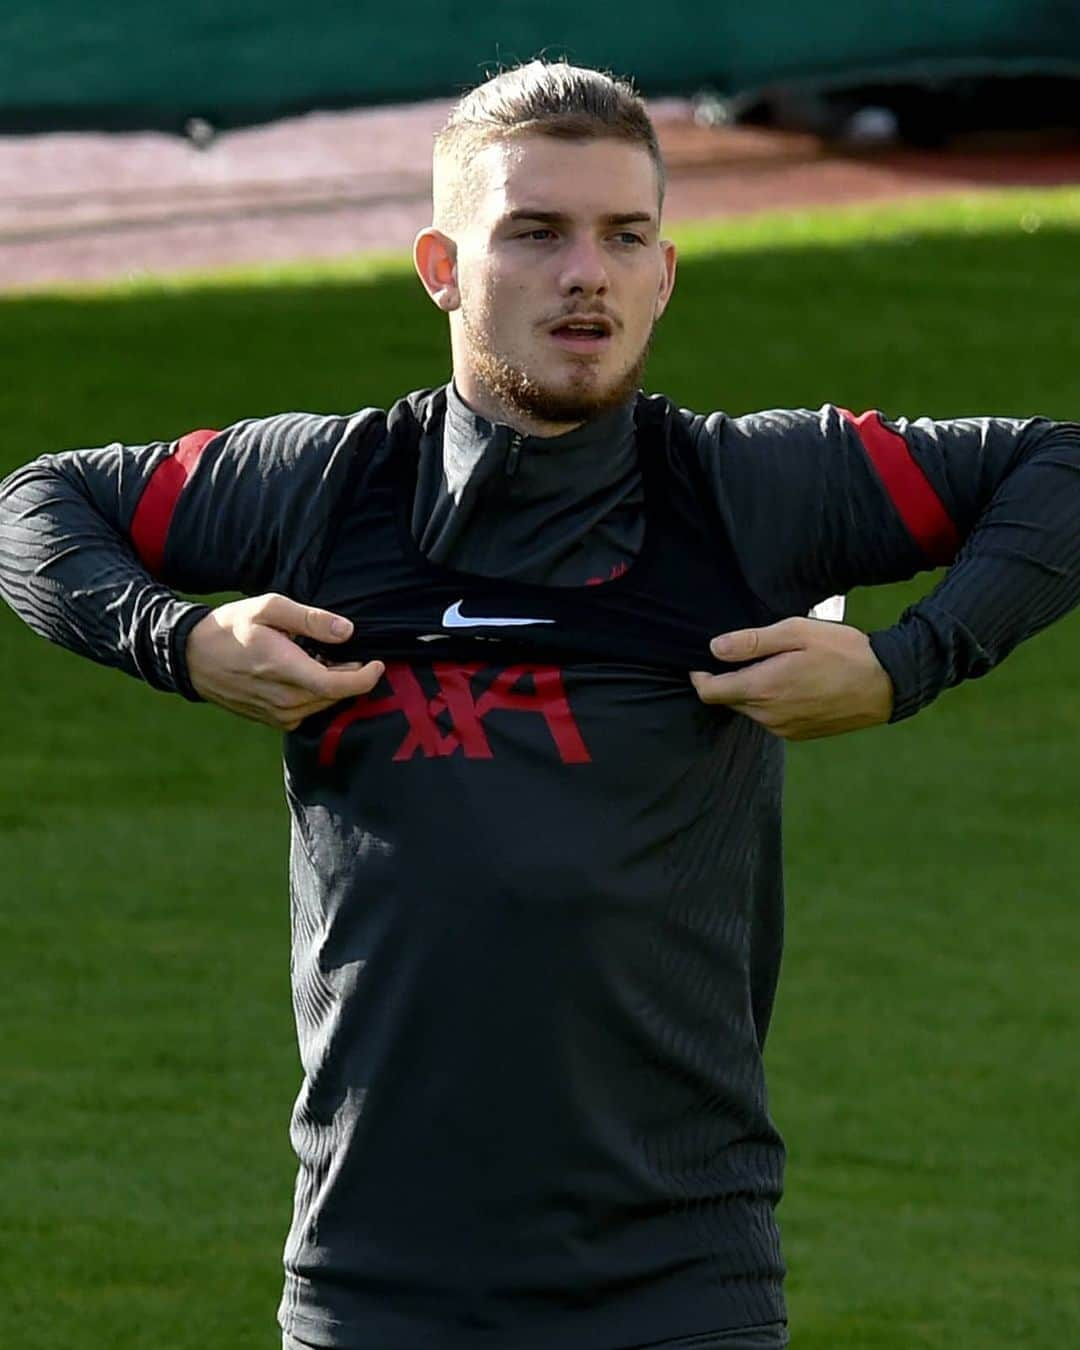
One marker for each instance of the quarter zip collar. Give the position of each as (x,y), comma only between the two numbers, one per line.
(557,510)
(475,450)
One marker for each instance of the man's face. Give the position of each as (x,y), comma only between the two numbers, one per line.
(557,230)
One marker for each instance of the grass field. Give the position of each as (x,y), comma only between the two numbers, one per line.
(924,1055)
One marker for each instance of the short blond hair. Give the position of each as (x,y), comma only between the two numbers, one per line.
(545,98)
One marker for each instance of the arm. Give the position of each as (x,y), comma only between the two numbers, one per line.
(821,502)
(92,542)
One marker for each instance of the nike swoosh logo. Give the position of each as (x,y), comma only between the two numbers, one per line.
(453,618)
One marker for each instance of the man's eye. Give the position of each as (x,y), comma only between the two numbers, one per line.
(627,237)
(531,234)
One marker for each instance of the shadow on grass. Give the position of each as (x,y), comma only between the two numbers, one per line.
(943,325)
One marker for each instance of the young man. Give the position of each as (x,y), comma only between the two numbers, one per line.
(536,875)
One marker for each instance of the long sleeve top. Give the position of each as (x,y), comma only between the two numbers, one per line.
(536,886)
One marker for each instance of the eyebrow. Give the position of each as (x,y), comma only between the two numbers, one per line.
(561,218)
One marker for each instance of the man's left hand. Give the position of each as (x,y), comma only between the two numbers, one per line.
(810,678)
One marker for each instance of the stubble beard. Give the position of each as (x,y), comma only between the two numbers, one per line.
(579,400)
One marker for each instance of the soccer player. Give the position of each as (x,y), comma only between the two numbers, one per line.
(535,639)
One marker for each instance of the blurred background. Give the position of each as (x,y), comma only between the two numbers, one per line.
(205,213)
(261,131)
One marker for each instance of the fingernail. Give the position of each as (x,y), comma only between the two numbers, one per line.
(339,627)
(721,645)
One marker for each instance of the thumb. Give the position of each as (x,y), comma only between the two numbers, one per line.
(751,644)
(278,611)
(325,626)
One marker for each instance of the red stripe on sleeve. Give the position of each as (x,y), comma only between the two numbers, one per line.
(919,506)
(150,524)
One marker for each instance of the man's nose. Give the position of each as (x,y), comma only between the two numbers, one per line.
(584,268)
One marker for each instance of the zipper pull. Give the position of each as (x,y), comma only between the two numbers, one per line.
(513,454)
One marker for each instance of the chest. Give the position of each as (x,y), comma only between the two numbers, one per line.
(456,778)
(659,609)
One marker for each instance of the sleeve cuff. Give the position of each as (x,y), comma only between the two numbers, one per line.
(926,652)
(896,653)
(177,651)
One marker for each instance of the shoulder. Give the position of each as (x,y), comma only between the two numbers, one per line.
(685,429)
(291,438)
(688,422)
(658,410)
(421,408)
(719,432)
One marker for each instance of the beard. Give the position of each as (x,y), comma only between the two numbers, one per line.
(577,400)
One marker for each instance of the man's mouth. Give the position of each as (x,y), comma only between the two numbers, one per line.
(583,335)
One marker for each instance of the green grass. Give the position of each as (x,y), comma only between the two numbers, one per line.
(923,1057)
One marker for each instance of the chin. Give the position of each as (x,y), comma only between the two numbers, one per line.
(571,400)
(557,395)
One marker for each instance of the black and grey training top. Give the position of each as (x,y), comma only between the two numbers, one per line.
(536,884)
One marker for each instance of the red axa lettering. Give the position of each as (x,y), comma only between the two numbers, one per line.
(524,689)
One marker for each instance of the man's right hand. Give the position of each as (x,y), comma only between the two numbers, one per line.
(243,658)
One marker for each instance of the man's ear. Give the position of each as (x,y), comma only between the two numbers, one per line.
(667,281)
(435,259)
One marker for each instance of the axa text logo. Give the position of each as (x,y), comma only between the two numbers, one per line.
(451,720)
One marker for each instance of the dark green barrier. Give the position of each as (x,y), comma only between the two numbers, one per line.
(134,63)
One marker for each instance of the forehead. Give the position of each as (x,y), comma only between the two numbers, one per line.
(582,179)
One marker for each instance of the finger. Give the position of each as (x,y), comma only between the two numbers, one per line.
(300,707)
(285,712)
(713,692)
(750,644)
(278,697)
(327,664)
(278,718)
(297,716)
(333,685)
(306,676)
(730,690)
(288,616)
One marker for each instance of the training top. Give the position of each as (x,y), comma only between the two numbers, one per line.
(536,884)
